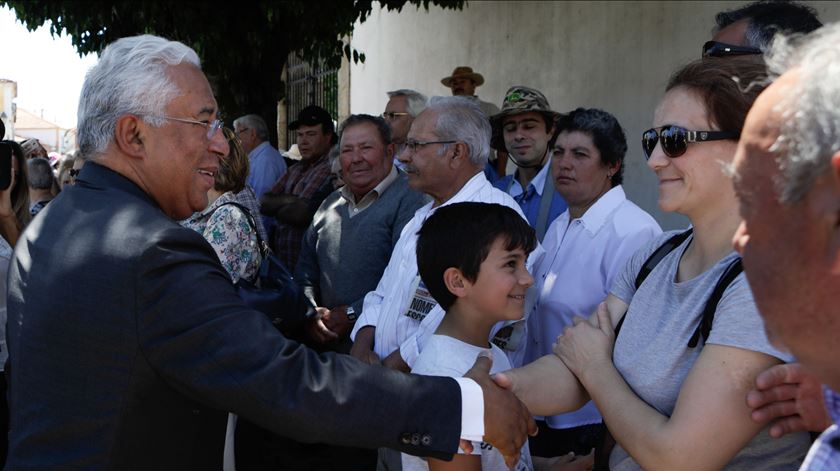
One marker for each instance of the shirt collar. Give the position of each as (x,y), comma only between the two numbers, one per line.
(473,186)
(259,148)
(377,190)
(597,214)
(538,182)
(832,403)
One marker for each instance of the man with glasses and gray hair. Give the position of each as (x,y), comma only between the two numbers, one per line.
(786,175)
(134,364)
(444,157)
(266,164)
(403,106)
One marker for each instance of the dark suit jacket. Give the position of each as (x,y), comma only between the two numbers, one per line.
(127,341)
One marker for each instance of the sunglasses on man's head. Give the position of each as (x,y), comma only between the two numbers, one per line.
(716,49)
(675,139)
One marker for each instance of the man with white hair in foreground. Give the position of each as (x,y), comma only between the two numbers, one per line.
(787,177)
(133,361)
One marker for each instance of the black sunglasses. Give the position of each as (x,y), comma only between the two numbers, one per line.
(716,49)
(74,172)
(675,139)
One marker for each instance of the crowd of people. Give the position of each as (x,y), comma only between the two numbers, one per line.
(547,322)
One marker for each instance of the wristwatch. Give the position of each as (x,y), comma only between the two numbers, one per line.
(351,314)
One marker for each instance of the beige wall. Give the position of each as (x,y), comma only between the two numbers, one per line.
(611,55)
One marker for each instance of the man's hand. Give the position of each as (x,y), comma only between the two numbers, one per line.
(363,346)
(395,362)
(791,397)
(507,422)
(336,321)
(317,330)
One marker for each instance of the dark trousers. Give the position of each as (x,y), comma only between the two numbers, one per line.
(555,442)
(258,449)
(4,421)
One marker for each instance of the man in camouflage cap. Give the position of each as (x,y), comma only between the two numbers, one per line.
(525,128)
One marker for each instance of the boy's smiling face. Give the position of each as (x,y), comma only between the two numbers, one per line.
(499,289)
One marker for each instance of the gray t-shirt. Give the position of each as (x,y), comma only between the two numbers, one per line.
(652,355)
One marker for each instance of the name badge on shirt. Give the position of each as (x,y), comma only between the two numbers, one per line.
(510,336)
(421,303)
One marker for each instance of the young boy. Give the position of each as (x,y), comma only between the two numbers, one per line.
(471,257)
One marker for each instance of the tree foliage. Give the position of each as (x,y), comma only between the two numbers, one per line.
(243,46)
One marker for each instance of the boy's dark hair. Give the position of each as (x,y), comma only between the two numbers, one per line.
(460,235)
(767,17)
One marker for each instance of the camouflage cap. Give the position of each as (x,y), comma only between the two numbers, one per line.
(519,99)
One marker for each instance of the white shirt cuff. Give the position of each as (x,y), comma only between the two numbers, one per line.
(472,410)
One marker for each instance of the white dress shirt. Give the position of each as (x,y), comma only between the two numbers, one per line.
(583,256)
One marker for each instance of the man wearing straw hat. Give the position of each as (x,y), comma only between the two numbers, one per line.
(463,82)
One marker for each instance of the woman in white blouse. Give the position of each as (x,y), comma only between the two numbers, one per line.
(586,247)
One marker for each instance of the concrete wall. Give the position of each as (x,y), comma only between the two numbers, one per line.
(611,55)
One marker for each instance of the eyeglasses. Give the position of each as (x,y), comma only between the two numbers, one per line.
(393,114)
(242,130)
(675,139)
(716,49)
(412,145)
(75,172)
(212,126)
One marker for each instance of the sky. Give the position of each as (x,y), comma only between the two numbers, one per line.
(48,71)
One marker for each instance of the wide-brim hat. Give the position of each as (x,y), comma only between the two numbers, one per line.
(519,99)
(463,72)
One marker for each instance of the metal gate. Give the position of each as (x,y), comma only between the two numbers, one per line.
(309,84)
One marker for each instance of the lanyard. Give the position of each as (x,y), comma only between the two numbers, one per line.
(545,204)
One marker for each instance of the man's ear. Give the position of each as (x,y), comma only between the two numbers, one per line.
(455,282)
(390,150)
(130,136)
(460,155)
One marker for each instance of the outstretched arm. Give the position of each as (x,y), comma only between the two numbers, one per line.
(710,422)
(547,386)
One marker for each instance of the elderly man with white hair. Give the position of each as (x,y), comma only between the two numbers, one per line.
(444,157)
(403,106)
(134,363)
(787,178)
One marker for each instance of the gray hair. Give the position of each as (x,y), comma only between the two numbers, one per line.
(810,129)
(255,122)
(460,119)
(130,78)
(39,173)
(416,100)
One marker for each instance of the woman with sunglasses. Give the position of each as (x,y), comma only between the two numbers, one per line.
(673,399)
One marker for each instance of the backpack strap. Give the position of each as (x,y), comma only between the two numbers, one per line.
(660,253)
(705,327)
(653,260)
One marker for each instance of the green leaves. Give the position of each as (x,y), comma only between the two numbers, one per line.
(243,46)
